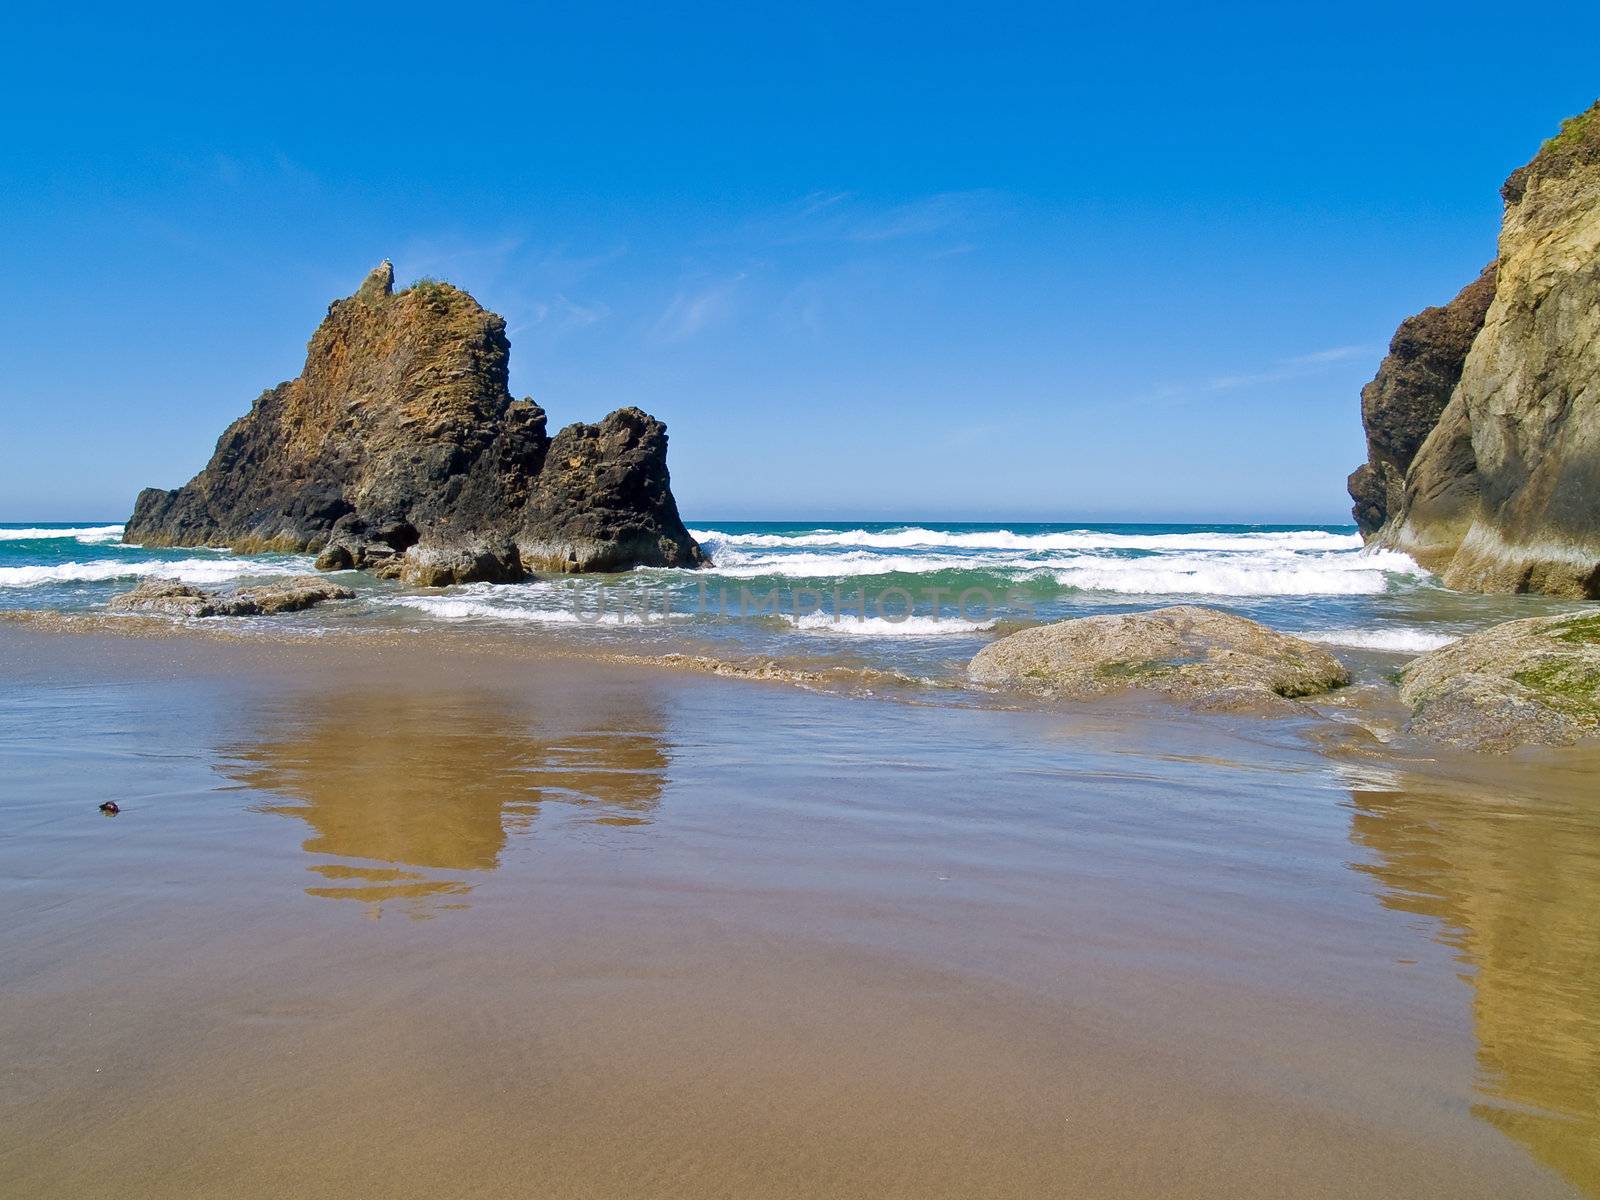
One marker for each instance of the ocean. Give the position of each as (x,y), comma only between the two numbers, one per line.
(914,597)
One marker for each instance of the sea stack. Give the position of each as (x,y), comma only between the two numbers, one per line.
(1483,424)
(399,448)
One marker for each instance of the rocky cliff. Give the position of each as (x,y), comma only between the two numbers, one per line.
(1501,491)
(1401,406)
(399,448)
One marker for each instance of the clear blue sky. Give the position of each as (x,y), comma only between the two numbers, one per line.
(988,261)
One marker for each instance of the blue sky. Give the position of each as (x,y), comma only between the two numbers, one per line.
(984,262)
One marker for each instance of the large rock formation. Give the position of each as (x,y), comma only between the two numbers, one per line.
(399,448)
(1503,492)
(1401,406)
(1194,655)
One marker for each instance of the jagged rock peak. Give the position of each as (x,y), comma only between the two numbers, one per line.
(379,283)
(399,448)
(1575,147)
(1403,403)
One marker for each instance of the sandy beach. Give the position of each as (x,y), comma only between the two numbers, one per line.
(421,917)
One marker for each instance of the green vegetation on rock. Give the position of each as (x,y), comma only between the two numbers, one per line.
(1529,682)
(1482,419)
(1572,688)
(1186,653)
(1575,132)
(1583,631)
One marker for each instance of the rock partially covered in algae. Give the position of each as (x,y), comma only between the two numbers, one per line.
(1530,682)
(173,598)
(1194,655)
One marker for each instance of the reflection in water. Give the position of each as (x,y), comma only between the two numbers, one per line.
(1516,888)
(411,791)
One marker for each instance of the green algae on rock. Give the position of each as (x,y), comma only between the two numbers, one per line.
(173,598)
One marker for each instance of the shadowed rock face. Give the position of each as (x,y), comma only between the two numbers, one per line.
(1403,403)
(1502,494)
(398,448)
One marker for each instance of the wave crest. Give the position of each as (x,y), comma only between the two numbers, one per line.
(1399,641)
(89,535)
(886,626)
(190,570)
(917,537)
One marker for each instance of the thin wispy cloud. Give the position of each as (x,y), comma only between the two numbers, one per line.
(563,268)
(561,314)
(846,218)
(273,170)
(536,287)
(920,218)
(1335,354)
(456,258)
(691,312)
(1298,366)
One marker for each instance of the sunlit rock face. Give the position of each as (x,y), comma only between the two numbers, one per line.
(1503,493)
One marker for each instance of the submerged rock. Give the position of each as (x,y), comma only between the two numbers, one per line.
(1187,653)
(173,598)
(1529,682)
(399,449)
(1502,491)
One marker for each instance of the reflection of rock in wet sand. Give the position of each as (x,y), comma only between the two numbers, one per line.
(1516,886)
(413,791)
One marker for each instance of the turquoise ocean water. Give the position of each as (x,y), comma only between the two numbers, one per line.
(919,596)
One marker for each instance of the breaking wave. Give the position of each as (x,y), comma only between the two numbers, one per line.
(916,537)
(1399,641)
(190,570)
(482,606)
(1295,563)
(886,626)
(89,535)
(1322,575)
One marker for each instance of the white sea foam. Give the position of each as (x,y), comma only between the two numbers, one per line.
(1005,539)
(190,570)
(90,535)
(885,626)
(461,608)
(736,564)
(1264,575)
(1399,641)
(1265,571)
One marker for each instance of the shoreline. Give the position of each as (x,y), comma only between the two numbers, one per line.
(1362,721)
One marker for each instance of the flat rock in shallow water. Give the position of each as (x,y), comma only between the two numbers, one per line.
(1531,682)
(1196,655)
(177,599)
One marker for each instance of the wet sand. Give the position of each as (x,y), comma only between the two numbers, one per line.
(414,919)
